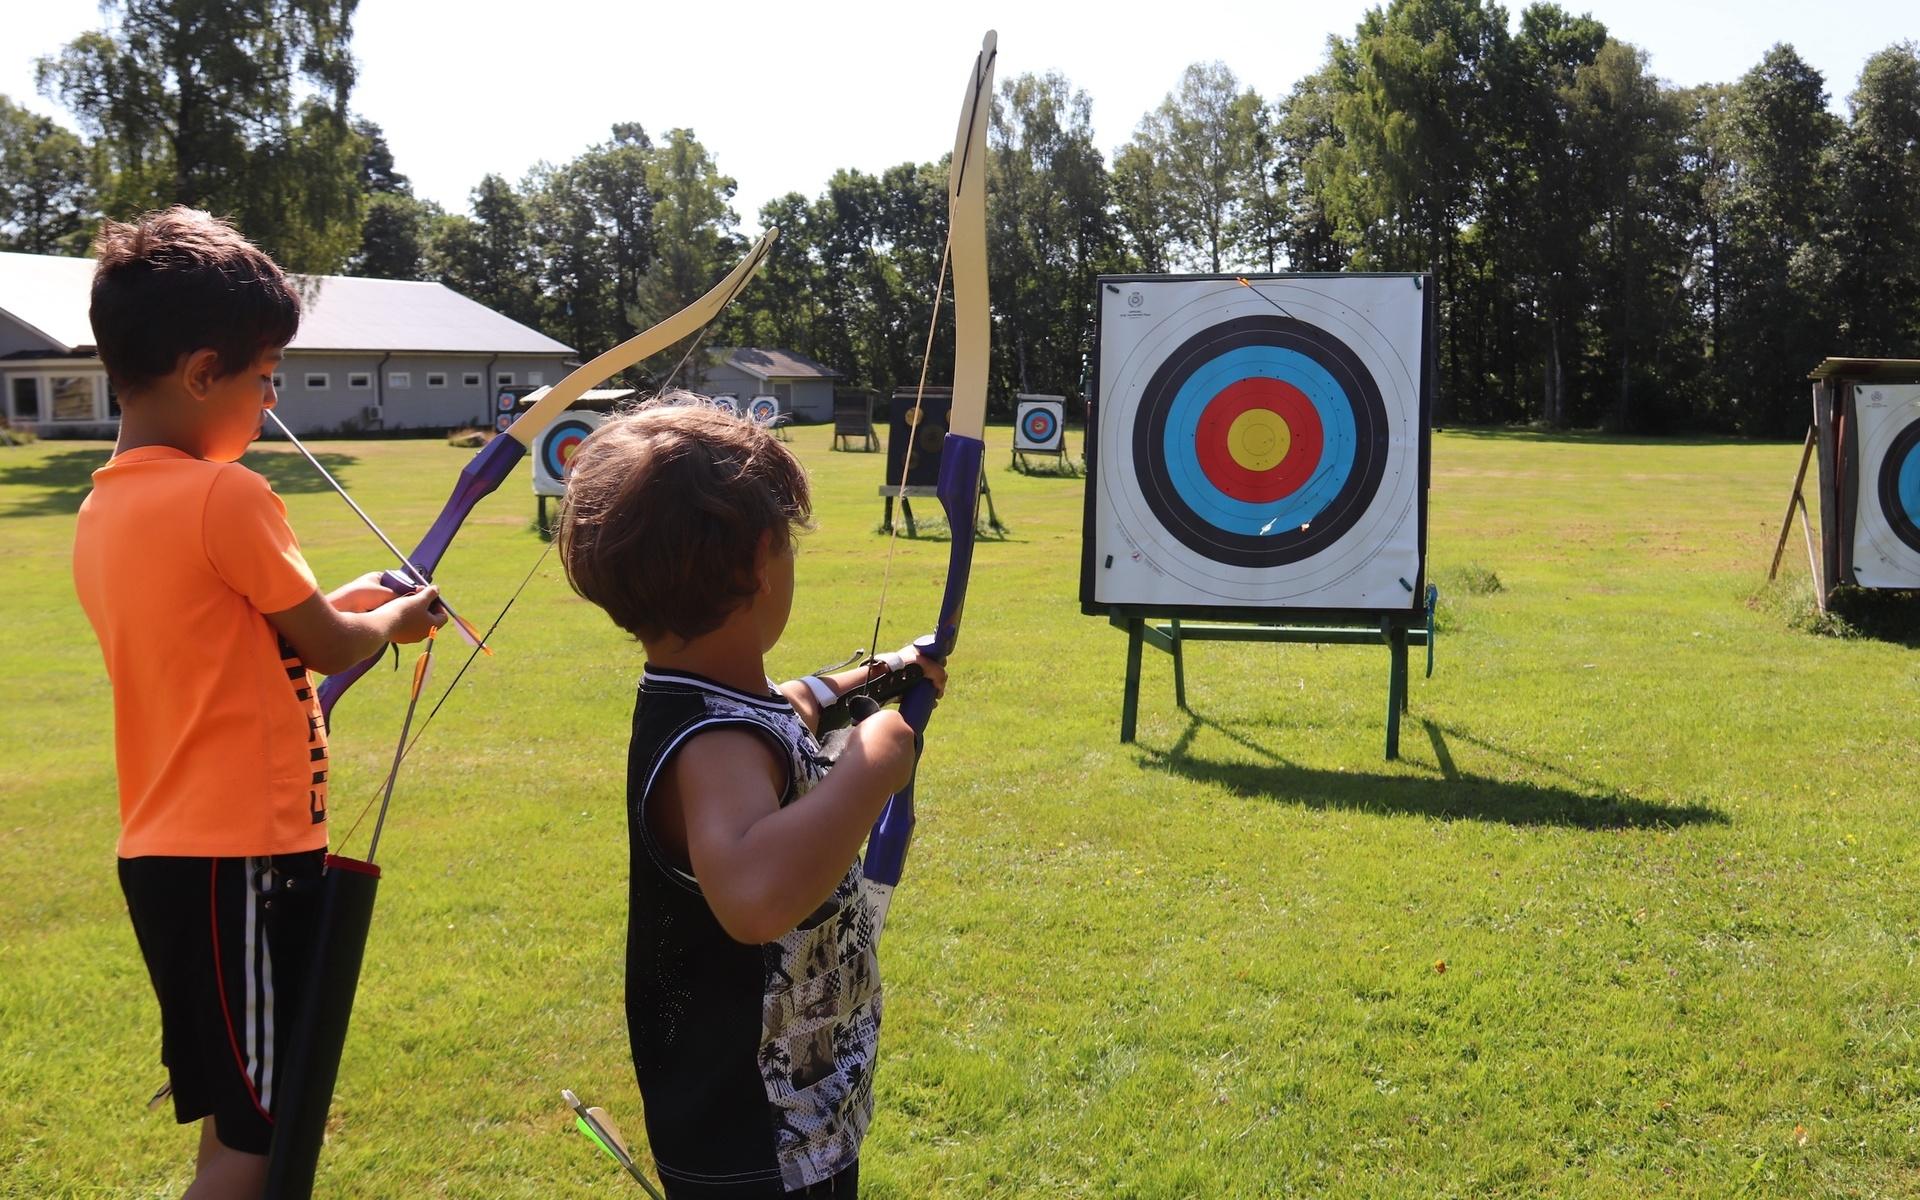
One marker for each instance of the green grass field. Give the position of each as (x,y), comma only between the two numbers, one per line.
(1636,914)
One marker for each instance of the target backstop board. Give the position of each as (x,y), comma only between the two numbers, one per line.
(1257,447)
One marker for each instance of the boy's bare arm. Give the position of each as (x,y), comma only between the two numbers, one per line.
(764,868)
(330,640)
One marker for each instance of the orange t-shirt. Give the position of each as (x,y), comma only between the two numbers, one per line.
(217,733)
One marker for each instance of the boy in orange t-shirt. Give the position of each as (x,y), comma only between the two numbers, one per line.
(208,619)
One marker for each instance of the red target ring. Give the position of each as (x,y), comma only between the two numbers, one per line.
(1279,402)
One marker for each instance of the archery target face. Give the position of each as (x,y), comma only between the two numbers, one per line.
(554,449)
(1255,453)
(730,404)
(1038,424)
(1886,545)
(764,409)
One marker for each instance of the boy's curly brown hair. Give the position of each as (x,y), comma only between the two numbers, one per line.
(180,280)
(666,505)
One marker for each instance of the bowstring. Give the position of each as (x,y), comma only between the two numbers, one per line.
(913,433)
(407,749)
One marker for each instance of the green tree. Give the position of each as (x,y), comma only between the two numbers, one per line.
(240,109)
(693,221)
(1310,147)
(1877,227)
(489,256)
(1141,206)
(46,184)
(1049,231)
(1201,142)
(394,237)
(1778,282)
(1415,118)
(1641,253)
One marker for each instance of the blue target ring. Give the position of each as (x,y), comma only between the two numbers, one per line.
(1329,475)
(1282,369)
(562,440)
(1900,486)
(1039,424)
(764,409)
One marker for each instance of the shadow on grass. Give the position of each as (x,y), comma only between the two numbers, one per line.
(64,479)
(1883,614)
(1453,796)
(935,529)
(1063,468)
(1595,437)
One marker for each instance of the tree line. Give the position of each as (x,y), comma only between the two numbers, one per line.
(1609,250)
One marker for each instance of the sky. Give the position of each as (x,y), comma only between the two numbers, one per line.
(785,94)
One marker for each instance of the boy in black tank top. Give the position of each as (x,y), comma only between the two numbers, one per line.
(753,994)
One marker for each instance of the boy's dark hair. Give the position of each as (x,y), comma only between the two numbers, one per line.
(666,505)
(180,280)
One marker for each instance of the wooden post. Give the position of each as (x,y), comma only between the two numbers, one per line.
(1794,498)
(1179,668)
(1397,687)
(1130,705)
(1813,561)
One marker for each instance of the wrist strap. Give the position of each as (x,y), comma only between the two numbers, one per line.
(823,693)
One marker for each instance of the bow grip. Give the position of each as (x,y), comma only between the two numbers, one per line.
(480,476)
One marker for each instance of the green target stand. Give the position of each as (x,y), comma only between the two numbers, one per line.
(1258,460)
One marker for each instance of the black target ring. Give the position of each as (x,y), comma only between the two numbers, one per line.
(1364,462)
(1902,456)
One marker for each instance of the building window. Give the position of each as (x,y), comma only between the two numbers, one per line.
(26,398)
(503,378)
(73,397)
(436,379)
(470,379)
(279,381)
(318,381)
(399,379)
(536,378)
(359,381)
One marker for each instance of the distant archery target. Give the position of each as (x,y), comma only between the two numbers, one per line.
(727,404)
(506,402)
(1038,425)
(562,442)
(1260,441)
(764,409)
(503,422)
(1900,486)
(1886,546)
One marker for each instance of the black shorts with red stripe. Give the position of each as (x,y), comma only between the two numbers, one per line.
(227,943)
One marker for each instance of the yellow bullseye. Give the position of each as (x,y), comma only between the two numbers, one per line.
(1259,439)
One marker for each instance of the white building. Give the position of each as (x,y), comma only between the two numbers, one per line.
(803,387)
(370,354)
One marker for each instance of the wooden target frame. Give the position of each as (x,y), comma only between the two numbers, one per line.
(1866,435)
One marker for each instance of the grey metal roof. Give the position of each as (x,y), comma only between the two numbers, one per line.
(50,294)
(774,364)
